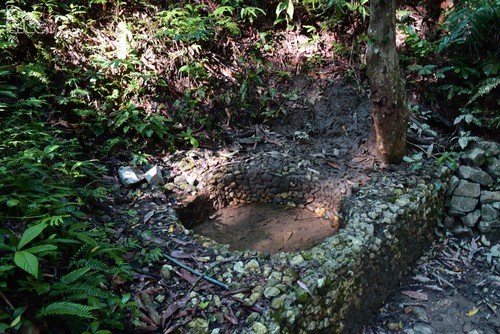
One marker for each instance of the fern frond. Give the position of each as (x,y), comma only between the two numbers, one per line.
(67,308)
(84,291)
(74,275)
(484,88)
(94,264)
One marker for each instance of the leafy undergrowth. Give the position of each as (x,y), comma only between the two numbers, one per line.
(88,81)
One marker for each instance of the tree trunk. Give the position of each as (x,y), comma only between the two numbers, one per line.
(389,109)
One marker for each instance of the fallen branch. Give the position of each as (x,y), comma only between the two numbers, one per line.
(193,271)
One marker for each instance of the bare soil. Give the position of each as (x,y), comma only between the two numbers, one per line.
(266,228)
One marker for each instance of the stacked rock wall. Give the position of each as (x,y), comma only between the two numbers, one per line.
(282,180)
(473,202)
(333,287)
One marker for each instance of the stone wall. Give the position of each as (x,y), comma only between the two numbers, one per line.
(473,203)
(279,179)
(334,286)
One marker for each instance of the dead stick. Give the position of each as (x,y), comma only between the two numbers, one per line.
(210,279)
(7,301)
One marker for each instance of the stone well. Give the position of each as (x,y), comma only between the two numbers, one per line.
(334,286)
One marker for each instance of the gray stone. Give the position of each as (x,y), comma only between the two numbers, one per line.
(259,328)
(462,231)
(490,229)
(471,219)
(198,326)
(154,176)
(128,177)
(463,204)
(491,148)
(448,222)
(252,266)
(166,271)
(488,197)
(456,213)
(468,189)
(477,156)
(452,184)
(475,175)
(493,167)
(488,212)
(422,328)
(271,292)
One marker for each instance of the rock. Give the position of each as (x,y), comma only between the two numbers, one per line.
(491,148)
(475,175)
(393,326)
(477,157)
(488,212)
(128,177)
(166,271)
(494,167)
(468,189)
(239,267)
(252,266)
(463,204)
(278,302)
(198,326)
(488,197)
(154,176)
(471,219)
(271,292)
(452,184)
(259,328)
(456,213)
(491,229)
(460,231)
(448,222)
(422,328)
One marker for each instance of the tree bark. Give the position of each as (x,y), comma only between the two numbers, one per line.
(389,109)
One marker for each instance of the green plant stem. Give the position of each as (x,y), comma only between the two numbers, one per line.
(7,301)
(210,279)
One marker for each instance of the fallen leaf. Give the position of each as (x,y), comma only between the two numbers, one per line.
(421,278)
(148,216)
(472,311)
(359,159)
(187,276)
(180,255)
(304,287)
(332,164)
(178,241)
(171,309)
(418,295)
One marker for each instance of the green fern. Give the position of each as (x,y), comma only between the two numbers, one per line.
(471,23)
(94,264)
(67,308)
(484,88)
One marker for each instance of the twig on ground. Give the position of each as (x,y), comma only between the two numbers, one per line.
(205,277)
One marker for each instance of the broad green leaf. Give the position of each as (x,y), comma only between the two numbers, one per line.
(12,202)
(15,321)
(126,298)
(30,234)
(50,148)
(41,248)
(6,268)
(27,262)
(463,142)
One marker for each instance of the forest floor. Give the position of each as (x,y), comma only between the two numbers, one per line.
(454,288)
